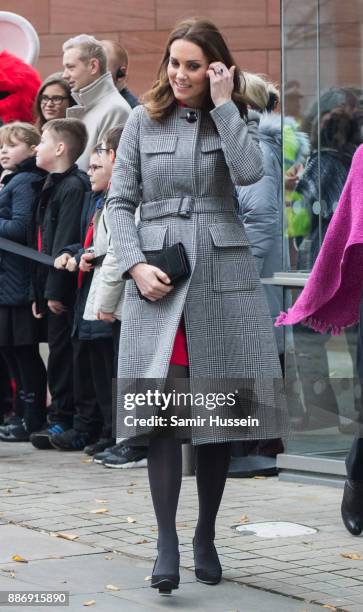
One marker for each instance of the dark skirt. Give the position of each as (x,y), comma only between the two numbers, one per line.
(18,327)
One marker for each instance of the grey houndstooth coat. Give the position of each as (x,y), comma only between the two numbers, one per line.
(187,173)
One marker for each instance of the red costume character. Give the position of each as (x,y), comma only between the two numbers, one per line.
(19,84)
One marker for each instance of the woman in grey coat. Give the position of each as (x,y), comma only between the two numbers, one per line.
(184,151)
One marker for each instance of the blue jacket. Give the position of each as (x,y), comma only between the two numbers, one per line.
(261,210)
(17,203)
(87,330)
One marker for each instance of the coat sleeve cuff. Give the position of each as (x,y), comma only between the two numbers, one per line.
(130,262)
(224,112)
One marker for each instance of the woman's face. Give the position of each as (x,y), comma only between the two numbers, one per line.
(54,102)
(187,73)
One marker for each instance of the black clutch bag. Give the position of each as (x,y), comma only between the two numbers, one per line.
(173,261)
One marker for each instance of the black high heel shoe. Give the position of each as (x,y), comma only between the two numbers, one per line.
(166,583)
(352,506)
(207,576)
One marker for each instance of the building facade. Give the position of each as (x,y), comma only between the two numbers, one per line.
(252,29)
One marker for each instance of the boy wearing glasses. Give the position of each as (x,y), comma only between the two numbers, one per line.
(93,354)
(59,205)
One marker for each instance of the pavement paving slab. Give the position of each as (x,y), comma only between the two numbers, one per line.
(43,493)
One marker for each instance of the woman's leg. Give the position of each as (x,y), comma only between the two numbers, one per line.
(165,475)
(212,462)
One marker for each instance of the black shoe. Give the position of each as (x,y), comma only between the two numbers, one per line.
(13,419)
(166,583)
(40,439)
(70,440)
(14,433)
(99,457)
(99,446)
(126,457)
(352,506)
(207,576)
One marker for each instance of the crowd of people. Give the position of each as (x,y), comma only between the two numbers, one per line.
(55,178)
(96,188)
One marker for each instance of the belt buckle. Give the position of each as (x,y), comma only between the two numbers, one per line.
(185,210)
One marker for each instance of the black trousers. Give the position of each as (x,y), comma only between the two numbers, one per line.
(93,372)
(5,388)
(60,367)
(354,460)
(116,330)
(30,375)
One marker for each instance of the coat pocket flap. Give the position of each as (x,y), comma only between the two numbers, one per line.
(164,144)
(228,235)
(211,143)
(152,237)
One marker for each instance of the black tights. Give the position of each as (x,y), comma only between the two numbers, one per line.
(165,475)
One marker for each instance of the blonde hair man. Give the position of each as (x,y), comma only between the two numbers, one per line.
(99,104)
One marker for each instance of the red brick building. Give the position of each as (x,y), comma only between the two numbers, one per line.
(251,27)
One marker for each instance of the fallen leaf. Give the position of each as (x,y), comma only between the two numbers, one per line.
(147,578)
(19,559)
(99,511)
(130,491)
(91,602)
(67,536)
(132,484)
(112,587)
(353,556)
(142,542)
(101,501)
(330,607)
(131,519)
(260,477)
(244,519)
(85,460)
(154,528)
(108,558)
(9,571)
(8,491)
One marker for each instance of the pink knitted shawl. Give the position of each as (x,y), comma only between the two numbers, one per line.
(330,299)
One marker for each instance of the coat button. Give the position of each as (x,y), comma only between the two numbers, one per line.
(191,116)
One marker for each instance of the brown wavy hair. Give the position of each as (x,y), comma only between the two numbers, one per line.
(53,79)
(160,100)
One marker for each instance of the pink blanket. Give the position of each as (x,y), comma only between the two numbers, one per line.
(331,298)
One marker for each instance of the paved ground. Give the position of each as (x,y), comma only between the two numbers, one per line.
(44,493)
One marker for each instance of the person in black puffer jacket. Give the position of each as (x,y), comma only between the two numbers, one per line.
(57,218)
(92,340)
(19,331)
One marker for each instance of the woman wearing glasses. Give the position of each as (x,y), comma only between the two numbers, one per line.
(53,99)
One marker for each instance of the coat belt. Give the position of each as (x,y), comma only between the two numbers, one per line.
(185,206)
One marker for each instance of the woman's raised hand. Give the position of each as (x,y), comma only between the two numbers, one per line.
(221,82)
(152,282)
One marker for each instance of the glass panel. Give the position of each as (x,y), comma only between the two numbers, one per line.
(322,91)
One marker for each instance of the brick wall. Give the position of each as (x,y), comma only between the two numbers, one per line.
(251,27)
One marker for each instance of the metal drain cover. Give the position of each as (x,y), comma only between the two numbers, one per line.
(277,529)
